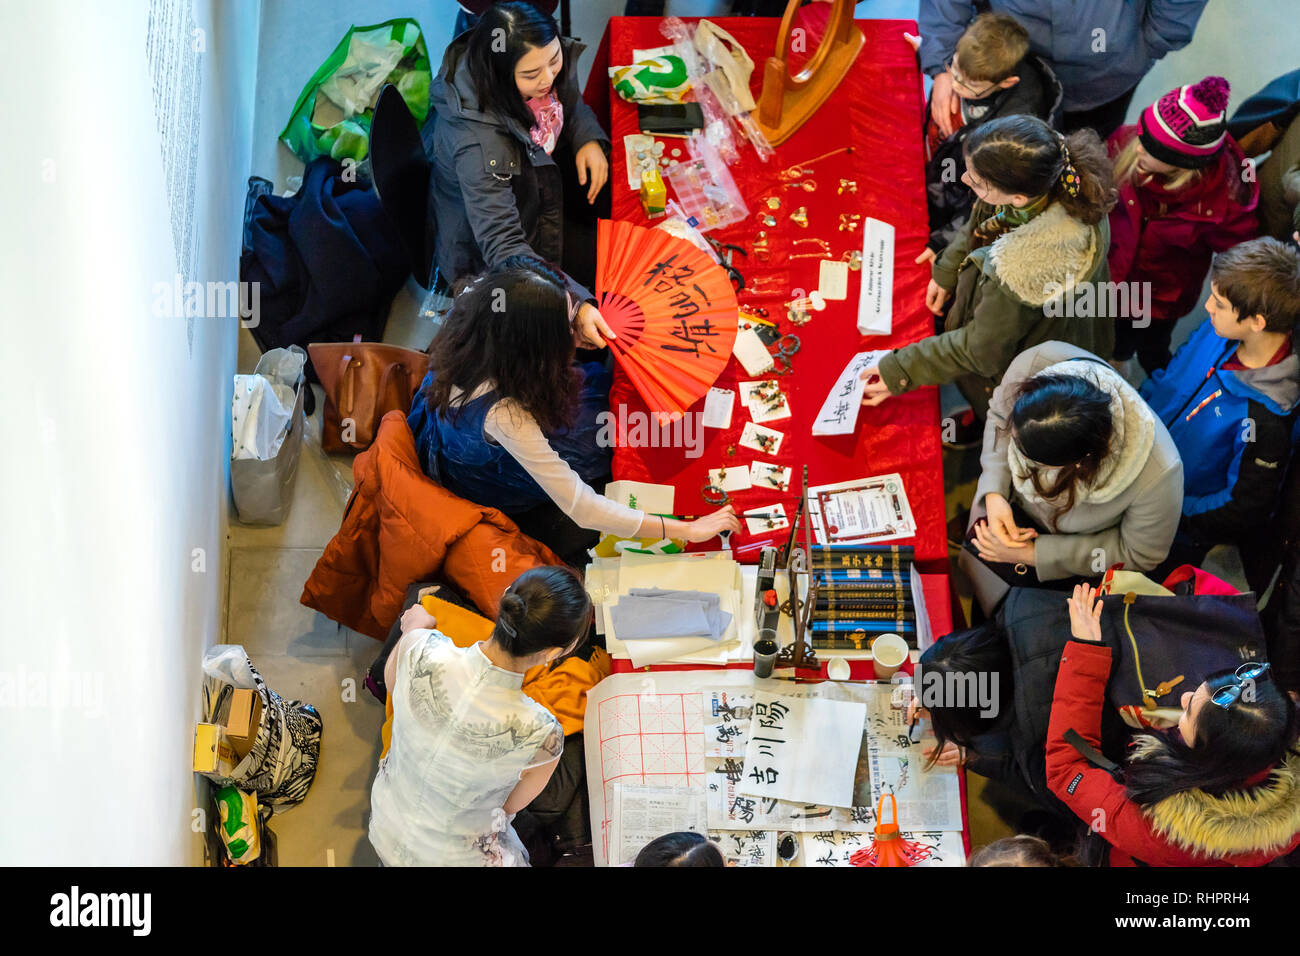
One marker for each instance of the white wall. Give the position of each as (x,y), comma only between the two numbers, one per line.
(116,456)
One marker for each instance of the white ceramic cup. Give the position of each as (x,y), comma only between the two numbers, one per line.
(888,652)
(837,668)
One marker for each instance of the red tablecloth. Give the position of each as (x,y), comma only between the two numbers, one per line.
(878,110)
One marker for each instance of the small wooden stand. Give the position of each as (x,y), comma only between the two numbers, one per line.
(787,102)
(799,653)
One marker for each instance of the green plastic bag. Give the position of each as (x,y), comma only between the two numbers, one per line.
(333,112)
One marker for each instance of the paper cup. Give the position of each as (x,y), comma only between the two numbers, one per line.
(888,653)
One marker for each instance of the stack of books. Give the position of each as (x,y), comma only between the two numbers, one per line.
(862,591)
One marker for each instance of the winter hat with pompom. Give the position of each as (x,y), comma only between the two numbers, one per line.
(1186,127)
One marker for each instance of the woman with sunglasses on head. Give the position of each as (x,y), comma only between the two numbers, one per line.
(1220,789)
(519,160)
(505,418)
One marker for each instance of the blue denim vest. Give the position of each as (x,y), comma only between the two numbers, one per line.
(458,455)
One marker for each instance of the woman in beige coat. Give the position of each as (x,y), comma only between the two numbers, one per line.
(1078,475)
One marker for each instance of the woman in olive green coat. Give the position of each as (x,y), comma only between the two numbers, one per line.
(1029,268)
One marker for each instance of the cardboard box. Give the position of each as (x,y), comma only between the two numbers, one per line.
(242,721)
(214,755)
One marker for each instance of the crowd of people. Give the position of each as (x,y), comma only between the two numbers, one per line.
(1063,245)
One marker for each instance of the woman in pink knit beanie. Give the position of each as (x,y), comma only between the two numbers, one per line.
(1186,191)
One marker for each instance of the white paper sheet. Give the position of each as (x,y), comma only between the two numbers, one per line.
(750,351)
(747,848)
(876,298)
(735,479)
(708,571)
(718,403)
(839,413)
(644,813)
(803,749)
(833,279)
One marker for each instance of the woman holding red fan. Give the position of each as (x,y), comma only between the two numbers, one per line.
(519,160)
(505,417)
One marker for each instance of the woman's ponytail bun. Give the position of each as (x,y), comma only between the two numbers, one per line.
(545,607)
(510,615)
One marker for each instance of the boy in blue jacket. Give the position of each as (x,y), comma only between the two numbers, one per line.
(1229,398)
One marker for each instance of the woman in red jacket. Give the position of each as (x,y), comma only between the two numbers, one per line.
(1185,193)
(1220,789)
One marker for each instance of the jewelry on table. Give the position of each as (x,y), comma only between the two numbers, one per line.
(767,219)
(807,185)
(821,244)
(854,259)
(773,202)
(849,221)
(847,186)
(713,495)
(731,450)
(800,216)
(799,170)
(788,344)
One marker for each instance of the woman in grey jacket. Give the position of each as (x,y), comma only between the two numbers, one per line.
(508,112)
(1091,470)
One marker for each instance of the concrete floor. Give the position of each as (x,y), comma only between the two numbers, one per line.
(304,655)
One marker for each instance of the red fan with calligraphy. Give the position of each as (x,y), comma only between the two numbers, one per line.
(673,309)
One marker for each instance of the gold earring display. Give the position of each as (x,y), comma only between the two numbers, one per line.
(854,259)
(847,186)
(800,216)
(807,185)
(849,221)
(767,219)
(773,202)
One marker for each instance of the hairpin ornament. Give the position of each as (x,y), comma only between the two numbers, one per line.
(807,185)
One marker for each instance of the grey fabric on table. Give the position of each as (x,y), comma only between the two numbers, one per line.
(646,613)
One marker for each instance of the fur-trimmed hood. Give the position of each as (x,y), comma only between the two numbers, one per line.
(1046,257)
(1133,435)
(1261,819)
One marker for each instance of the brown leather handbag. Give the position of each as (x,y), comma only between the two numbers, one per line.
(363,381)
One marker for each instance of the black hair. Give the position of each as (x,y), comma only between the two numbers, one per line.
(1063,422)
(509,326)
(1022,154)
(1231,745)
(545,607)
(956,662)
(502,36)
(684,848)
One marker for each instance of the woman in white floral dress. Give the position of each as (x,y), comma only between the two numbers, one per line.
(469,749)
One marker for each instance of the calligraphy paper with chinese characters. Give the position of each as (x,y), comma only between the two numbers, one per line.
(839,414)
(803,749)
